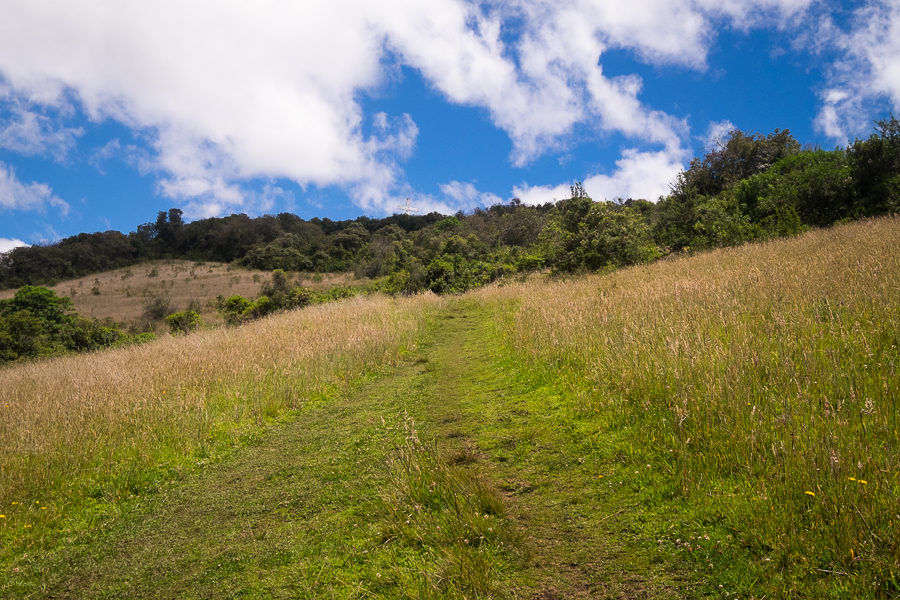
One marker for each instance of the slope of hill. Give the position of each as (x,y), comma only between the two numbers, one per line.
(719,424)
(140,295)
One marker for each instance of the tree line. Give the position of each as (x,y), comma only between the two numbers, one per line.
(749,187)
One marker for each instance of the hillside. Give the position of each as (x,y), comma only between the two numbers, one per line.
(718,424)
(140,295)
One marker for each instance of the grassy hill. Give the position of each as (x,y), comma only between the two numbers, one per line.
(722,424)
(140,295)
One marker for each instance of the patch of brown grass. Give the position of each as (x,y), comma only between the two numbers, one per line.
(122,294)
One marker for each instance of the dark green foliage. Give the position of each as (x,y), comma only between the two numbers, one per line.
(737,158)
(587,235)
(817,185)
(288,251)
(184,321)
(447,224)
(408,280)
(454,273)
(875,169)
(37,322)
(277,295)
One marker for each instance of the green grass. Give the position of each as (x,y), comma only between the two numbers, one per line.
(760,386)
(451,477)
(718,426)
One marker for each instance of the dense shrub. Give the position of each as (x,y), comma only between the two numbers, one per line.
(185,321)
(36,322)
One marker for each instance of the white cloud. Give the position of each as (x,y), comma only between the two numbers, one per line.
(115,150)
(7,244)
(466,196)
(638,175)
(228,92)
(645,175)
(541,194)
(31,134)
(865,81)
(18,196)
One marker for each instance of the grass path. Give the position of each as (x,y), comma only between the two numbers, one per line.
(454,476)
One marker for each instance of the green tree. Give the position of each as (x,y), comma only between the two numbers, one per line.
(875,168)
(735,158)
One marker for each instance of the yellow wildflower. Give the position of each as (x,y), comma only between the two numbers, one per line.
(809,493)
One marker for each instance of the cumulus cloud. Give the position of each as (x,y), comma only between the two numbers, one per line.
(231,92)
(7,244)
(131,154)
(645,175)
(638,175)
(865,80)
(541,194)
(18,196)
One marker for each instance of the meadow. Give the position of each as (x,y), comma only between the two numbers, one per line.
(83,432)
(716,425)
(761,382)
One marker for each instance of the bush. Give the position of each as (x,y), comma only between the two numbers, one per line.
(184,321)
(234,309)
(37,322)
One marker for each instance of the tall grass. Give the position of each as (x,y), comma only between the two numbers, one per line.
(89,429)
(765,380)
(447,527)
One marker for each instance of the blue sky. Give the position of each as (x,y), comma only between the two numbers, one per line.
(112,111)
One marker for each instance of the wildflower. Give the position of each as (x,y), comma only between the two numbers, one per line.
(863,482)
(852,478)
(809,493)
(2,516)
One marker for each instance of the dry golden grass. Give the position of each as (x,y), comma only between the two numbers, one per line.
(122,294)
(765,379)
(102,425)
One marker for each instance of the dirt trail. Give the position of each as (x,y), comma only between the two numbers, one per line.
(296,513)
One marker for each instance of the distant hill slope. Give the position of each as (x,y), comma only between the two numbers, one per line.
(140,295)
